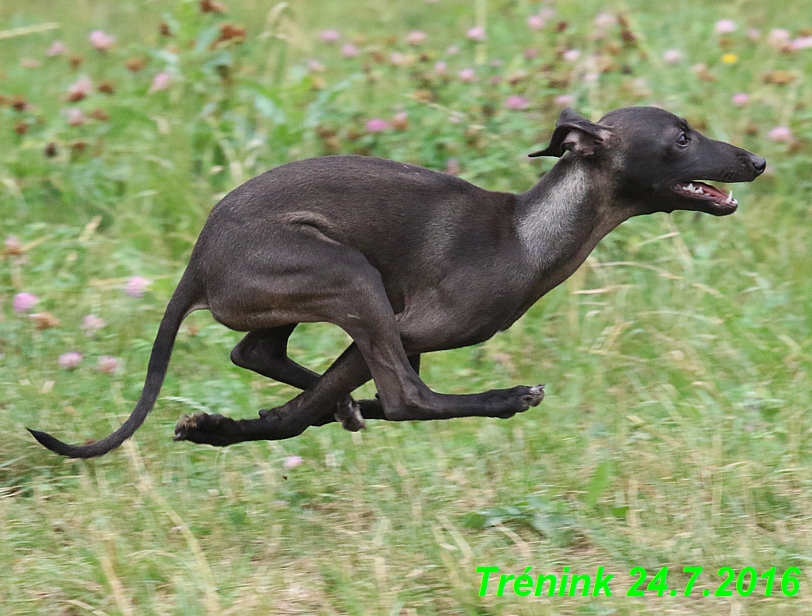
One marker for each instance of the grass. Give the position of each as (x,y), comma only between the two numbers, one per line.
(676,430)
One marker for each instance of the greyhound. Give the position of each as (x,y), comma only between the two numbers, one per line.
(408,260)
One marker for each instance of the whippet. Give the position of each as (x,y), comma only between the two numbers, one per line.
(407,260)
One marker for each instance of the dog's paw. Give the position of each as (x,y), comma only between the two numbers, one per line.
(534,395)
(518,400)
(529,396)
(185,423)
(349,414)
(201,428)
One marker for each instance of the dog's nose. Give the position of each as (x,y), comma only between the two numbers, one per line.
(759,163)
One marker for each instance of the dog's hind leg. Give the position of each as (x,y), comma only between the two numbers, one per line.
(356,301)
(264,351)
(347,373)
(317,279)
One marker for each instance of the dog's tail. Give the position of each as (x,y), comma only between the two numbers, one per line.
(183,300)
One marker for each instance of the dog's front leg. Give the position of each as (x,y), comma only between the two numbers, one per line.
(367,409)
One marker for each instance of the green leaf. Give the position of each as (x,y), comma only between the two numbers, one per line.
(474,520)
(597,486)
(206,38)
(269,109)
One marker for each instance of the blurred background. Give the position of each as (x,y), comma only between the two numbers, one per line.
(676,428)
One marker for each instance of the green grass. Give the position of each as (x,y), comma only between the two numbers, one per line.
(676,430)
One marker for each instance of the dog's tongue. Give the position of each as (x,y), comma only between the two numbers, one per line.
(711,190)
(702,190)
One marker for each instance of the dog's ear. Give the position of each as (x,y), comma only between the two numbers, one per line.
(576,134)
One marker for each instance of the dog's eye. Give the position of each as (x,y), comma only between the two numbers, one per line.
(683,139)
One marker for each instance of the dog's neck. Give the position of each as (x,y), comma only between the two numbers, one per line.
(563,217)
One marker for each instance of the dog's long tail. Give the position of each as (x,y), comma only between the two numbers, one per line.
(183,300)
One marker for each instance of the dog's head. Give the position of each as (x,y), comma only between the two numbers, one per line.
(656,160)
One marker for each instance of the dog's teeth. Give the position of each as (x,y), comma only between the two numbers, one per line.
(690,186)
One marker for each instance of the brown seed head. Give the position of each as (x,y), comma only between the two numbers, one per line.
(44,320)
(212,6)
(135,64)
(106,87)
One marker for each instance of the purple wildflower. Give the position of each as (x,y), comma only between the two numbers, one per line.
(91,324)
(725,26)
(24,302)
(571,55)
(76,116)
(136,286)
(467,75)
(79,89)
(377,125)
(69,360)
(400,121)
(803,42)
(107,364)
(314,66)
(564,100)
(160,82)
(330,36)
(477,33)
(740,99)
(100,40)
(781,133)
(292,462)
(605,20)
(778,37)
(416,37)
(57,48)
(516,102)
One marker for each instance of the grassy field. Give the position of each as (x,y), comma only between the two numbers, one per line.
(676,431)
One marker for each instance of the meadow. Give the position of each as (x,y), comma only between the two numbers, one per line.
(676,431)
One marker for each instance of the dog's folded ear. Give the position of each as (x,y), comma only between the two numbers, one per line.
(576,134)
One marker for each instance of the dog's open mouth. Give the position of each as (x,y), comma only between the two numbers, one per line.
(706,192)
